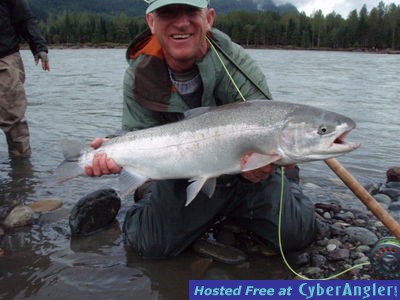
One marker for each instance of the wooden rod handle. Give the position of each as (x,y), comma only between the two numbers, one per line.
(364,196)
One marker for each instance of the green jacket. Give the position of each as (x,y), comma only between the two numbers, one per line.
(150,99)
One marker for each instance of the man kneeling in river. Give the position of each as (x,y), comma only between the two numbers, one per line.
(173,68)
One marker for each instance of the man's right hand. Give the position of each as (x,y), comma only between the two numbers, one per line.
(102,164)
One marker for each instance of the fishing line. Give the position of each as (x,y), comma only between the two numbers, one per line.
(216,47)
(282,173)
(280,239)
(225,68)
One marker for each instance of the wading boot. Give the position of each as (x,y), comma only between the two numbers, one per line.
(18,140)
(94,212)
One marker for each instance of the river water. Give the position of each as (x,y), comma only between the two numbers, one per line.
(81,98)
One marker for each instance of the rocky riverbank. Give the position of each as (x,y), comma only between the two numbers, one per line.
(346,237)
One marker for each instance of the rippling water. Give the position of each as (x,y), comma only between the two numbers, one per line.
(81,98)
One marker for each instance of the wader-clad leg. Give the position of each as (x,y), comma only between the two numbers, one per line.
(13,105)
(256,209)
(160,225)
(18,140)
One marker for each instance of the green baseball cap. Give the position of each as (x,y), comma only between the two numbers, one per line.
(156,4)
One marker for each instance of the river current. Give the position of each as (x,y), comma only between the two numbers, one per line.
(81,99)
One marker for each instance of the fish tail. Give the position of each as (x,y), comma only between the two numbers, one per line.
(69,168)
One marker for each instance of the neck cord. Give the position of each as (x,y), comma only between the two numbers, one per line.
(282,175)
(216,47)
(226,69)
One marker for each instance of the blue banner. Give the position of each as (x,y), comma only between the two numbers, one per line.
(294,289)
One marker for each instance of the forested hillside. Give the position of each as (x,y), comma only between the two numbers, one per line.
(42,8)
(378,28)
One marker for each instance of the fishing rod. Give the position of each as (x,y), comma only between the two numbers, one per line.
(385,255)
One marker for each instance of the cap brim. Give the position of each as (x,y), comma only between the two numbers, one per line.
(160,3)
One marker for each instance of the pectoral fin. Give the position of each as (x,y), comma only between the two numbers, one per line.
(206,185)
(257,160)
(130,181)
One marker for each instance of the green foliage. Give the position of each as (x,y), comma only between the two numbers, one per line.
(379,28)
(106,8)
(132,8)
(85,28)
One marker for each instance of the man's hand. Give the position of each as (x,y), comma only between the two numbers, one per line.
(102,165)
(44,58)
(260,174)
(256,175)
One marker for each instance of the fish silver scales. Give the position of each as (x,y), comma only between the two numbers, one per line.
(211,142)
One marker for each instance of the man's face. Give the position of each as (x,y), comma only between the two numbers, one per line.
(181,31)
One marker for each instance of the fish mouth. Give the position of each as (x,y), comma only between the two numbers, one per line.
(340,144)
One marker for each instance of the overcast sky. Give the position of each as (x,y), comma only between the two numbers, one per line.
(343,7)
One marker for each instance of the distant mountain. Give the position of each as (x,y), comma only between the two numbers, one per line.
(42,8)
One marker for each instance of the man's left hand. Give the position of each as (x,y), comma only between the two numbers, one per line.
(42,55)
(259,174)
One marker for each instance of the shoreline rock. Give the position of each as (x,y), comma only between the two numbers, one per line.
(19,216)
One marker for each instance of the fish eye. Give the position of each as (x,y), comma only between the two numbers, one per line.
(323,129)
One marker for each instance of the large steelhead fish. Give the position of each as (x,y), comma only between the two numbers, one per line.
(212,141)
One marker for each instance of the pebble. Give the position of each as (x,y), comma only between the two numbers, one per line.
(396,215)
(373,188)
(345,216)
(356,255)
(323,229)
(322,243)
(298,259)
(327,215)
(393,174)
(341,224)
(337,229)
(395,206)
(331,247)
(361,260)
(19,216)
(383,199)
(359,222)
(362,235)
(363,249)
(393,193)
(219,252)
(7,205)
(339,254)
(393,184)
(378,224)
(318,260)
(336,242)
(312,271)
(46,205)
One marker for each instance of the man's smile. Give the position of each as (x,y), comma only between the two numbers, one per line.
(181,36)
